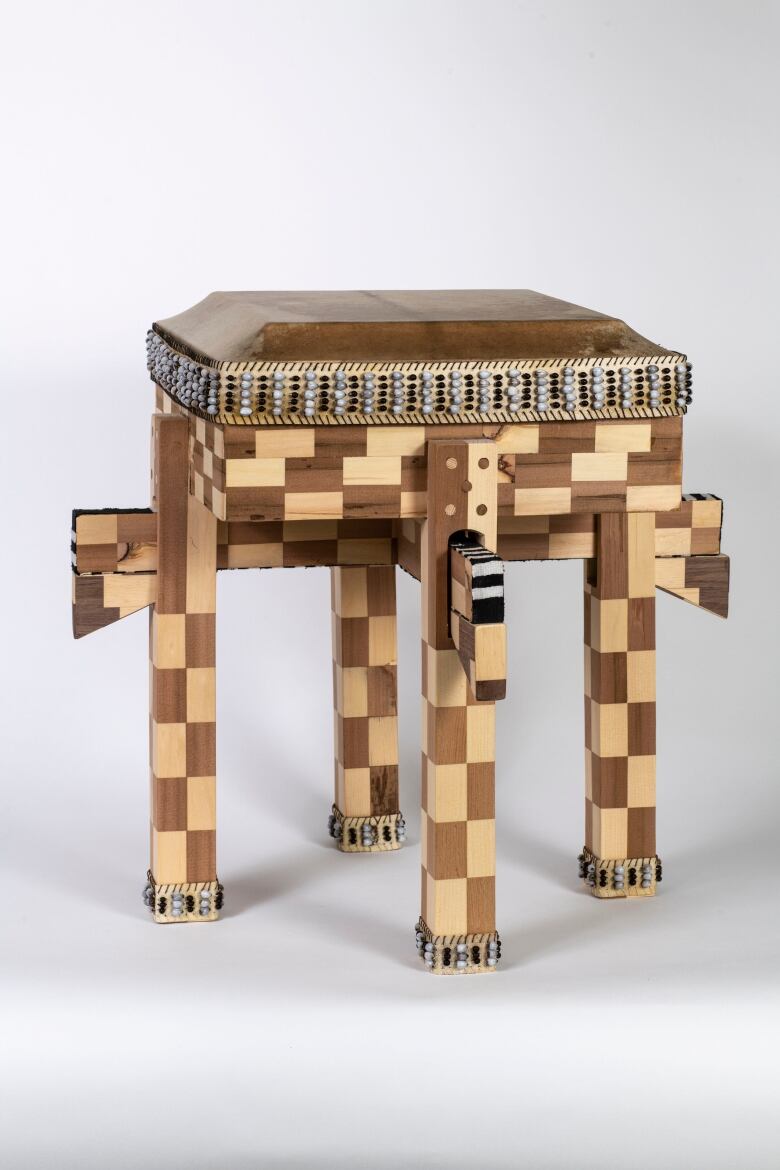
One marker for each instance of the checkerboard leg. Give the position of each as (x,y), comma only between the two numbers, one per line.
(365,816)
(619,859)
(182,881)
(457,930)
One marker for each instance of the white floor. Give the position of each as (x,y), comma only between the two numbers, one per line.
(300,1030)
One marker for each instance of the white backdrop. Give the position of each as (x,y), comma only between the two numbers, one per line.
(618,154)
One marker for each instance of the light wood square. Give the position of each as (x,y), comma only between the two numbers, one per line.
(284,442)
(127,593)
(201,590)
(481,848)
(219,503)
(414,504)
(201,694)
(490,651)
(572,545)
(672,542)
(447,905)
(382,641)
(653,498)
(481,734)
(255,556)
(169,857)
(518,439)
(641,676)
(313,505)
(609,729)
(706,514)
(553,501)
(351,592)
(641,782)
(609,625)
(371,470)
(382,740)
(612,465)
(395,441)
(670,573)
(168,640)
(641,554)
(352,691)
(447,684)
(245,473)
(610,833)
(169,749)
(357,792)
(201,802)
(98,529)
(448,791)
(623,437)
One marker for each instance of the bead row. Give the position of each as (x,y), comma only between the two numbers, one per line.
(323,390)
(457,954)
(619,873)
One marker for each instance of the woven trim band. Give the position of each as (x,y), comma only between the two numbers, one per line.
(505,391)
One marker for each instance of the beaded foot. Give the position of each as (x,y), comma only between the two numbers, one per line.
(633,877)
(456,954)
(367,834)
(184,902)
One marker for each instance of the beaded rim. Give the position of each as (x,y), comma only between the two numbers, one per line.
(503,390)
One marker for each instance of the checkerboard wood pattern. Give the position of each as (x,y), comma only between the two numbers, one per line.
(102,598)
(692,528)
(458,782)
(701,580)
(584,467)
(363,430)
(114,552)
(125,540)
(365,707)
(183,670)
(620,690)
(338,472)
(296,543)
(207,455)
